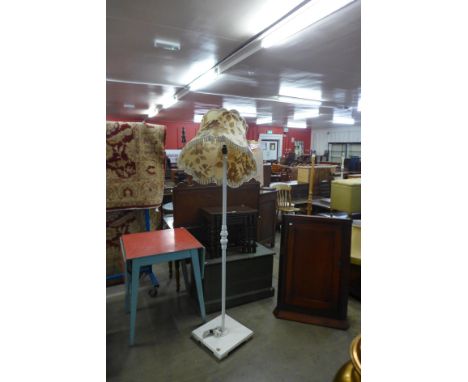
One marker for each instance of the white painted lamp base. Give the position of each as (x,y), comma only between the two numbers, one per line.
(234,335)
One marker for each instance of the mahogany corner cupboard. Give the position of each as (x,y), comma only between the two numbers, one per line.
(314,270)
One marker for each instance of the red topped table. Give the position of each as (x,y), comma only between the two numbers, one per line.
(148,248)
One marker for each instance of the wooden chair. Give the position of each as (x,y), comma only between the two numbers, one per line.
(284,202)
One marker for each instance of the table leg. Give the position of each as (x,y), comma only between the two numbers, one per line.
(127,287)
(134,299)
(184,273)
(197,275)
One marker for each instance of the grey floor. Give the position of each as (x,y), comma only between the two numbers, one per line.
(279,351)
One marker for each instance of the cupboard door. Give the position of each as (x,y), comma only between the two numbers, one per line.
(266,222)
(314,266)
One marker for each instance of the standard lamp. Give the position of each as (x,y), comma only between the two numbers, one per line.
(220,154)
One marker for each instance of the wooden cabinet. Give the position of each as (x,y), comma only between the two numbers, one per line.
(249,277)
(314,270)
(266,222)
(241,225)
(266,174)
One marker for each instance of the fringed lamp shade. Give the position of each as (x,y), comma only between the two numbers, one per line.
(202,157)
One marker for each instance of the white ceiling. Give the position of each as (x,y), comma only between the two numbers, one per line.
(322,60)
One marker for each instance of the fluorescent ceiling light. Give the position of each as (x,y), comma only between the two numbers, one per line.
(153,112)
(239,56)
(264,121)
(167,100)
(343,120)
(168,45)
(129,106)
(305,16)
(196,68)
(359,105)
(262,16)
(197,118)
(297,124)
(204,80)
(181,93)
(304,114)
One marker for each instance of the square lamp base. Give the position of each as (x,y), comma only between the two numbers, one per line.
(235,335)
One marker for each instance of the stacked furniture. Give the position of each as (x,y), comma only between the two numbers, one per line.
(249,275)
(323,175)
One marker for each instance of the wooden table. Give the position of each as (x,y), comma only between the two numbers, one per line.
(148,248)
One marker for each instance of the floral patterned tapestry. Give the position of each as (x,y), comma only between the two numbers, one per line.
(119,223)
(134,164)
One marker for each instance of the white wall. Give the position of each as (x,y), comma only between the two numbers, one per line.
(321,137)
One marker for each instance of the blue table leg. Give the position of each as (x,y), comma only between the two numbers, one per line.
(127,288)
(134,299)
(197,275)
(147,220)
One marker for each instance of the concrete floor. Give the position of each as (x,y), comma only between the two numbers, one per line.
(279,351)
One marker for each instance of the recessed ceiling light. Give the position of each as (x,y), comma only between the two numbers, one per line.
(167,45)
(343,120)
(197,118)
(307,93)
(246,108)
(297,124)
(343,117)
(304,114)
(264,121)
